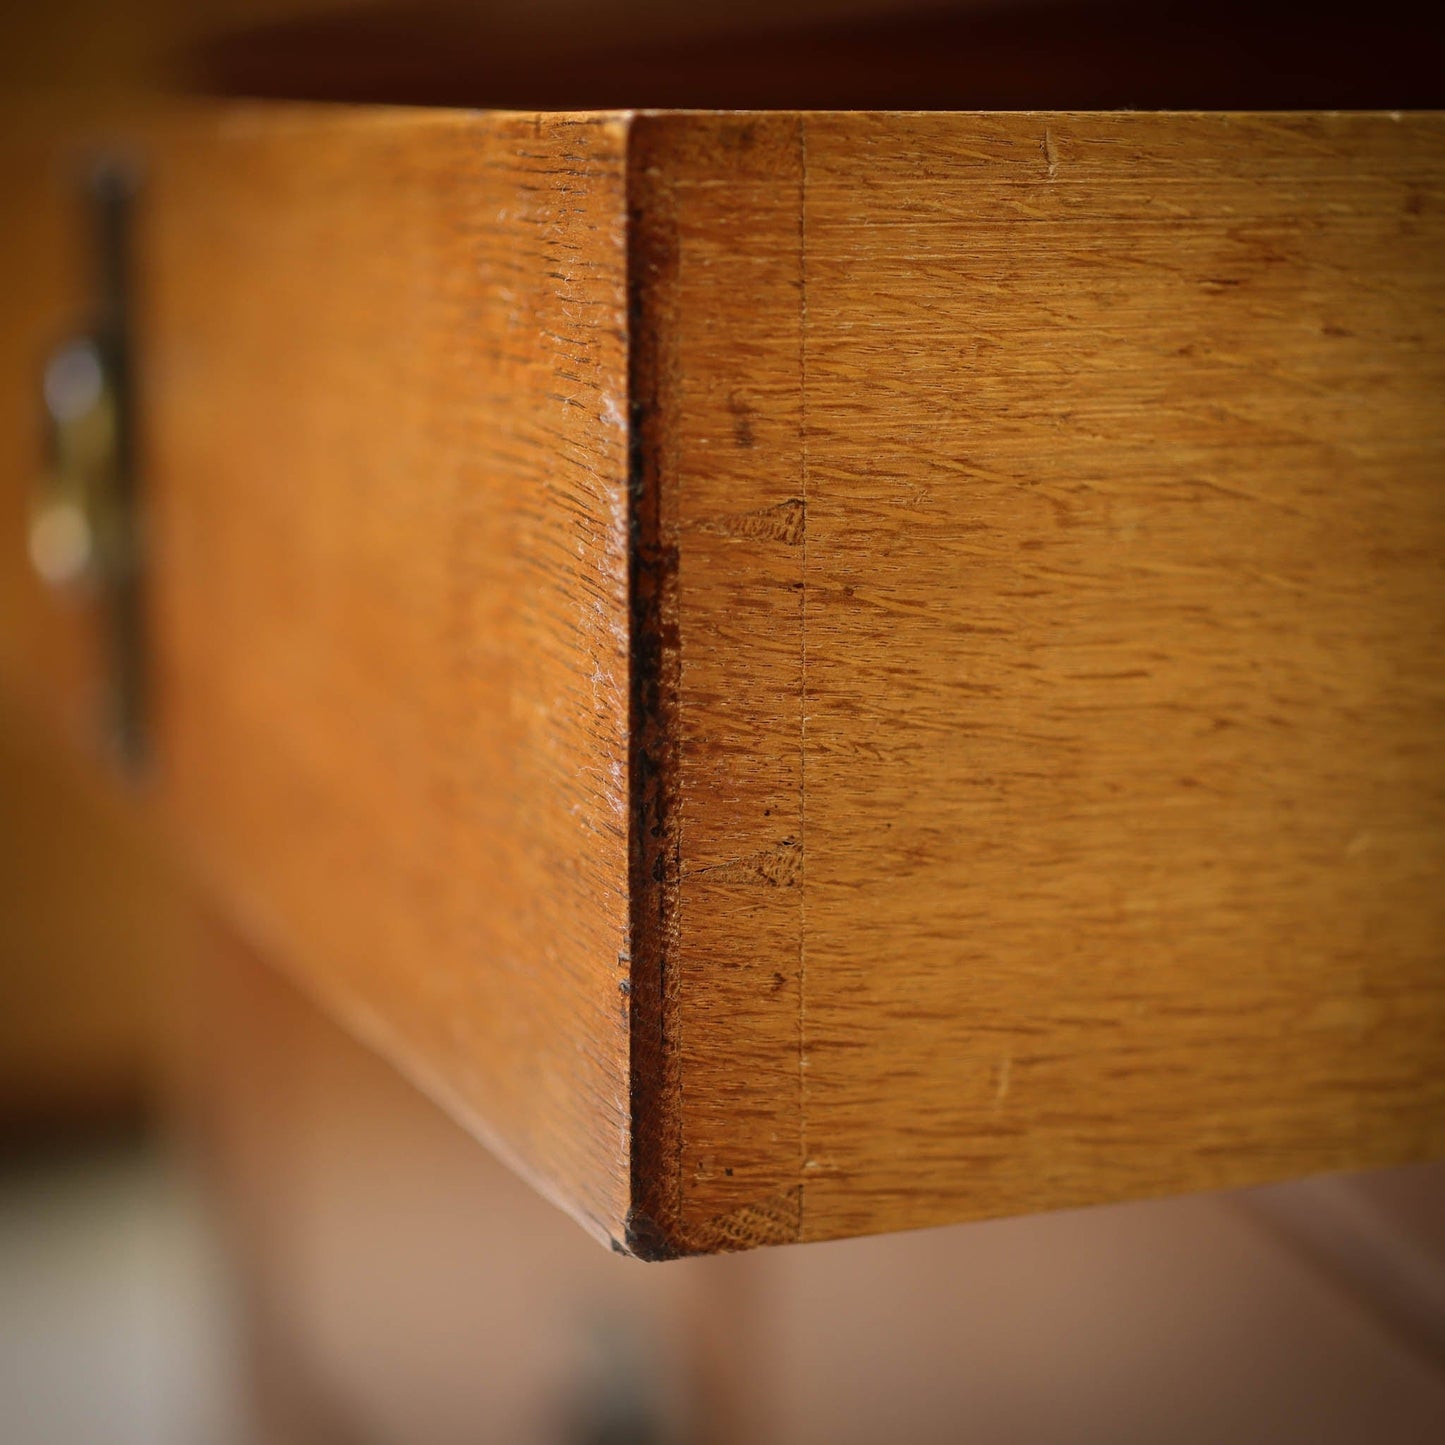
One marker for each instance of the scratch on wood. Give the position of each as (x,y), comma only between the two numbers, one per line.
(779,867)
(780,523)
(1050,148)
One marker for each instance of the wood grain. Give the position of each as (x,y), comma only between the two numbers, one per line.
(386,403)
(1058,507)
(716,384)
(807,674)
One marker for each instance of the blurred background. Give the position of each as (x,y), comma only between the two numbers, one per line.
(222,1220)
(901,54)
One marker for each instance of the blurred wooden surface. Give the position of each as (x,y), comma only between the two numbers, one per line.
(93,926)
(894,682)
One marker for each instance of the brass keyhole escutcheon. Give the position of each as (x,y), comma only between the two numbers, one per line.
(73,529)
(85,534)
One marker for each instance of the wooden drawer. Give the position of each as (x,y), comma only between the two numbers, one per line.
(804,674)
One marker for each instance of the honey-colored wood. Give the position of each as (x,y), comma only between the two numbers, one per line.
(1054,515)
(719,691)
(384,430)
(385,403)
(809,674)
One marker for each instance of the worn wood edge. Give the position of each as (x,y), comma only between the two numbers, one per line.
(654,862)
(682,168)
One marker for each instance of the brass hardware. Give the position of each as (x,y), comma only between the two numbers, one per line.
(74,529)
(85,535)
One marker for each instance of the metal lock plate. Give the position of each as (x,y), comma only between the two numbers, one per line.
(85,532)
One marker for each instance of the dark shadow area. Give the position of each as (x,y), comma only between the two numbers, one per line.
(1057,54)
